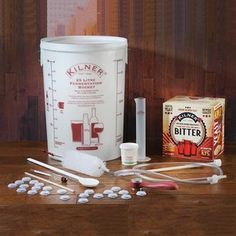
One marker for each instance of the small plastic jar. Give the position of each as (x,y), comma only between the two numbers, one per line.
(129,153)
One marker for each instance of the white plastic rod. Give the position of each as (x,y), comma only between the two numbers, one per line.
(50,182)
(141,128)
(42,173)
(175,168)
(186,166)
(88,182)
(55,169)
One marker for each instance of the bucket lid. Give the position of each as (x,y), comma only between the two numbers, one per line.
(82,43)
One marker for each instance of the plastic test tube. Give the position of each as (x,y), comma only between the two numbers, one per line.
(141,128)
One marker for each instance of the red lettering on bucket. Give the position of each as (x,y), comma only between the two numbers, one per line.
(85,67)
(70,72)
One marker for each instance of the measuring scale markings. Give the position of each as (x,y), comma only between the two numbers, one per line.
(52,105)
(119,101)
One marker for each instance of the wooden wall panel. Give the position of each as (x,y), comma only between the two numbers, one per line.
(22,24)
(175,47)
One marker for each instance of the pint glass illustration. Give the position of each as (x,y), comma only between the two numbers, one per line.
(77,130)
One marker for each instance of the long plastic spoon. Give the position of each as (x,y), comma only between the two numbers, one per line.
(87,182)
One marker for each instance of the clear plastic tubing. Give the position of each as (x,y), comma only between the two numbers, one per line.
(163,177)
(141,128)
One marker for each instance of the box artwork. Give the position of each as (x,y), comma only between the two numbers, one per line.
(193,127)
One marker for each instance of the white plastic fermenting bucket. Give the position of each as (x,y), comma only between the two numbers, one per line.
(84,81)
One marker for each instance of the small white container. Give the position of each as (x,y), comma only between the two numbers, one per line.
(129,153)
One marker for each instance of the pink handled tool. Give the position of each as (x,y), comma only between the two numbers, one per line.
(165,185)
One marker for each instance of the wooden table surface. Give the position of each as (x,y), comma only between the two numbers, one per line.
(191,210)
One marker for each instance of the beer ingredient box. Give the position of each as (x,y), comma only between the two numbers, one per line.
(193,127)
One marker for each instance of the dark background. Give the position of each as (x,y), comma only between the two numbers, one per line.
(175,47)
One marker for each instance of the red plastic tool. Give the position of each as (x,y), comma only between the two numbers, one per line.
(165,185)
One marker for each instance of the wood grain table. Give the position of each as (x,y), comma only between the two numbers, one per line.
(191,210)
